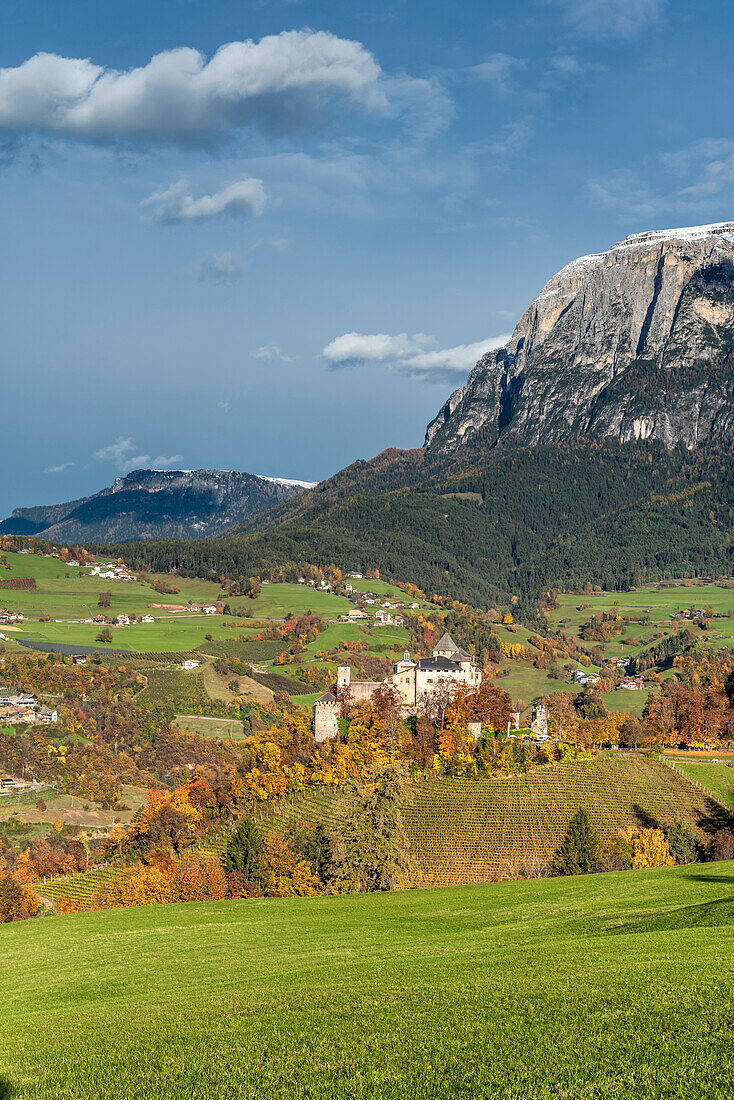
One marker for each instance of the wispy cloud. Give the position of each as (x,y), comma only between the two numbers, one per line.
(60,469)
(691,178)
(282,82)
(122,454)
(271,352)
(224,406)
(609,18)
(414,355)
(243,199)
(219,267)
(497,70)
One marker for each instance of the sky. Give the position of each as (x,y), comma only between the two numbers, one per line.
(273,236)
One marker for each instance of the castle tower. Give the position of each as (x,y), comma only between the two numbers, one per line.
(343,677)
(325,718)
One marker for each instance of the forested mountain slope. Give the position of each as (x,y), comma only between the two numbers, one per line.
(155,504)
(490,522)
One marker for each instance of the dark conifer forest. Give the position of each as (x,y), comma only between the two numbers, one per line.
(487,523)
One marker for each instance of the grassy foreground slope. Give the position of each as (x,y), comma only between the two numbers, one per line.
(608,987)
(473,830)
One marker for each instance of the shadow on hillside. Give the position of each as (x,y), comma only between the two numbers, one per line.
(6,1089)
(709,914)
(728,879)
(643,818)
(715,818)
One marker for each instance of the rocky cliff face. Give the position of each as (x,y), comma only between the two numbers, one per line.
(634,343)
(155,504)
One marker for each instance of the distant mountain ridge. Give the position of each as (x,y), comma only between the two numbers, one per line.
(633,343)
(156,504)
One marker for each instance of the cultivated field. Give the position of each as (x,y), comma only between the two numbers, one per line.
(475,830)
(226,729)
(611,987)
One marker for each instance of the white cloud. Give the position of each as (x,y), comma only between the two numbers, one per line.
(219,267)
(283,81)
(617,18)
(717,176)
(566,63)
(60,469)
(271,352)
(122,454)
(413,355)
(224,406)
(243,199)
(625,192)
(497,70)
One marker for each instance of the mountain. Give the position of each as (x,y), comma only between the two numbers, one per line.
(633,343)
(149,504)
(484,523)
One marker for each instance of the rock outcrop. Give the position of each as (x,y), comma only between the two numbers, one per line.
(156,504)
(634,343)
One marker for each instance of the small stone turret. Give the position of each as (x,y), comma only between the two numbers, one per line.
(325,718)
(539,725)
(343,677)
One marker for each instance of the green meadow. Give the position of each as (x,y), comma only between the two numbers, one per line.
(66,593)
(277,600)
(603,987)
(719,778)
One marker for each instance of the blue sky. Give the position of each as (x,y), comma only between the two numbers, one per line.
(274,236)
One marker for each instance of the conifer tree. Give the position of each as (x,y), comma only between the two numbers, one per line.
(682,844)
(371,849)
(244,852)
(578,853)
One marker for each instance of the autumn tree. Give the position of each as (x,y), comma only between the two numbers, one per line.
(17,899)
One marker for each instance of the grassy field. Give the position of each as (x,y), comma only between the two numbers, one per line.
(719,778)
(226,729)
(656,603)
(606,987)
(70,809)
(65,593)
(277,600)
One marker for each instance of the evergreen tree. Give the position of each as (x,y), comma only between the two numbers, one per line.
(682,844)
(244,852)
(578,853)
(371,849)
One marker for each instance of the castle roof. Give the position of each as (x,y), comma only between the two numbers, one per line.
(438,664)
(447,647)
(327,697)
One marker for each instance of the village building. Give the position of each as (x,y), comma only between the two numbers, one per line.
(412,680)
(189,665)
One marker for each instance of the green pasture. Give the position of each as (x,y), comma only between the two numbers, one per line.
(170,635)
(657,602)
(306,701)
(277,600)
(601,987)
(719,778)
(627,702)
(386,590)
(225,729)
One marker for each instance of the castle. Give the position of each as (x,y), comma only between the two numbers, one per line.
(412,681)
